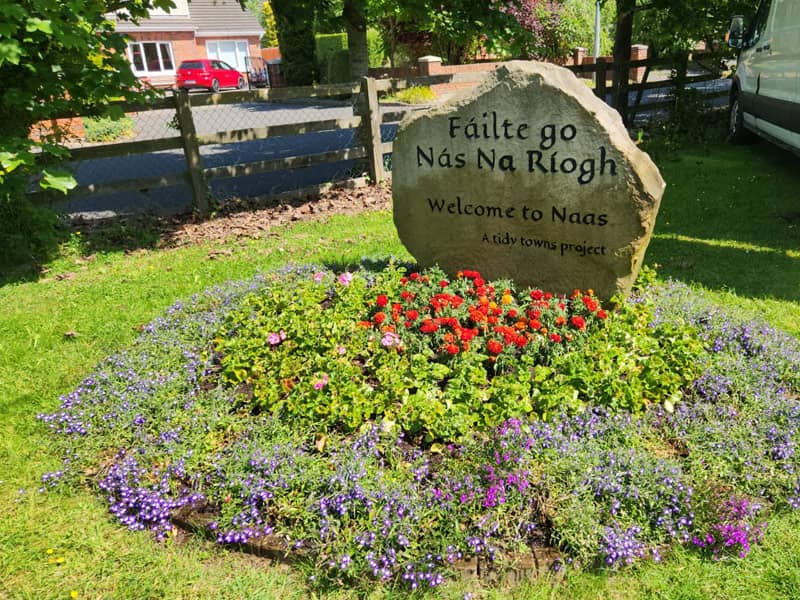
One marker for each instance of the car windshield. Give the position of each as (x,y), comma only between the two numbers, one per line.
(191,64)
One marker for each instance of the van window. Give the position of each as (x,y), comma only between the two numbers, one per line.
(759,23)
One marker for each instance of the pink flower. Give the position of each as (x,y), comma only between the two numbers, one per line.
(390,340)
(345,278)
(341,350)
(276,338)
(318,276)
(321,382)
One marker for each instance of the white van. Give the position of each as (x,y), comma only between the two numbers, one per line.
(765,95)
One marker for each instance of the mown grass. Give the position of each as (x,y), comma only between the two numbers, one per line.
(728,225)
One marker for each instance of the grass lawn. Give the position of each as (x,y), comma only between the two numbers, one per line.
(729,225)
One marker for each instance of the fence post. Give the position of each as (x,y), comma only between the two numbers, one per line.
(371,128)
(191,151)
(680,73)
(600,75)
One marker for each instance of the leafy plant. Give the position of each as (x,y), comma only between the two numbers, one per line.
(418,94)
(107,129)
(441,357)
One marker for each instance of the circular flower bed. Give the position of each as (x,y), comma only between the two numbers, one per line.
(386,425)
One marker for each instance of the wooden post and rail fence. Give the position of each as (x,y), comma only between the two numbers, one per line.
(368,116)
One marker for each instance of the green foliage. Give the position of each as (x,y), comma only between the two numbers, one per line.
(576,26)
(270,39)
(333,57)
(295,23)
(107,129)
(57,59)
(411,350)
(628,365)
(689,121)
(418,94)
(675,27)
(28,234)
(375,48)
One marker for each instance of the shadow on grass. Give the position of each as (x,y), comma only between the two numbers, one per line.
(730,219)
(45,238)
(757,273)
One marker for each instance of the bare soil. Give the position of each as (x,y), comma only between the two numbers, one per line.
(251,220)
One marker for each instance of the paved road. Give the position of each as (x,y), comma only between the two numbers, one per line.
(155,124)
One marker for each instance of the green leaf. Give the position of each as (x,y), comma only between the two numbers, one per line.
(10,161)
(10,52)
(58,180)
(35,24)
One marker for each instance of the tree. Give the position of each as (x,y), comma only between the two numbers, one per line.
(266,17)
(295,23)
(695,20)
(538,34)
(354,13)
(55,58)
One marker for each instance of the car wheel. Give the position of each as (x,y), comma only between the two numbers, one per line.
(214,86)
(737,133)
(240,84)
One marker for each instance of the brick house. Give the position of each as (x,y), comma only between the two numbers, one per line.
(217,29)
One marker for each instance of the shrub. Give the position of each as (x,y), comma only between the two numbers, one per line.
(418,94)
(425,354)
(107,129)
(333,57)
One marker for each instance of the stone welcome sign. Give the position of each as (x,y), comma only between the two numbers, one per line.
(529,176)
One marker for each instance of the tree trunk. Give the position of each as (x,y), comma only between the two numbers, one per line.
(355,19)
(622,53)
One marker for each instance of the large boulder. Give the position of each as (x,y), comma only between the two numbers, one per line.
(527,176)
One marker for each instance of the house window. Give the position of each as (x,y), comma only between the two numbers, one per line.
(151,57)
(233,52)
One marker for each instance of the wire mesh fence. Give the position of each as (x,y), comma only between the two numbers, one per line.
(248,148)
(189,151)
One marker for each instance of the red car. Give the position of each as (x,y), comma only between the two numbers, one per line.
(210,74)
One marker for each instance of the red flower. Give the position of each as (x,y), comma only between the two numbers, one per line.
(601,314)
(414,276)
(537,294)
(443,283)
(382,300)
(451,349)
(560,321)
(428,326)
(578,322)
(590,303)
(494,347)
(379,318)
(468,334)
(555,338)
(412,315)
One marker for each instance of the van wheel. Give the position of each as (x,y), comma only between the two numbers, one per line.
(214,86)
(240,84)
(737,133)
